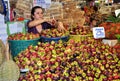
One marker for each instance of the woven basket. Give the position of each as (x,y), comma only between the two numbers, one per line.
(2,51)
(16,46)
(2,45)
(1,56)
(9,71)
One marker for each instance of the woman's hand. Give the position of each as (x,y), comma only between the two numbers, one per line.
(55,23)
(61,26)
(48,20)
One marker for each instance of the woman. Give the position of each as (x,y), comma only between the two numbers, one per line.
(38,23)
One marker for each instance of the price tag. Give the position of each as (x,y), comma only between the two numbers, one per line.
(117,12)
(98,32)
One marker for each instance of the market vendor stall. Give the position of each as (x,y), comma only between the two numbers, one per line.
(88,49)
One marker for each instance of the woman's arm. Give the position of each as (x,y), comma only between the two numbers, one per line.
(38,22)
(35,23)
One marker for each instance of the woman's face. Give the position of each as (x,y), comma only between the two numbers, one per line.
(38,14)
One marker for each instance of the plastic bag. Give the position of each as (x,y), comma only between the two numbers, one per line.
(2,7)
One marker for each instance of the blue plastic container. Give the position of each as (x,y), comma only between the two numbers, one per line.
(56,39)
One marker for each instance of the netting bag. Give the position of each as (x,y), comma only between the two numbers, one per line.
(9,70)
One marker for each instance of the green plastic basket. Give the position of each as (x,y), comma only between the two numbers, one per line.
(78,38)
(16,46)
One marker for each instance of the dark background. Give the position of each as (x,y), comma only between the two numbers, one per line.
(116,1)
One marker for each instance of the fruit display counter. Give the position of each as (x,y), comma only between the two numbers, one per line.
(87,60)
(76,57)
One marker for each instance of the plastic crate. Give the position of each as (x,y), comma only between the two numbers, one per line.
(16,46)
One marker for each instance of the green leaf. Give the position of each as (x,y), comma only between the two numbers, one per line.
(118,36)
(113,18)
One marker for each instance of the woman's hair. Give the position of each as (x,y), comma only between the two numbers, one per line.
(33,10)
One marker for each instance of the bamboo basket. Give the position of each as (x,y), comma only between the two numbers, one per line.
(9,71)
(1,56)
(2,44)
(2,52)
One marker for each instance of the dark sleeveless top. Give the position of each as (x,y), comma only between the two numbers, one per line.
(45,25)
